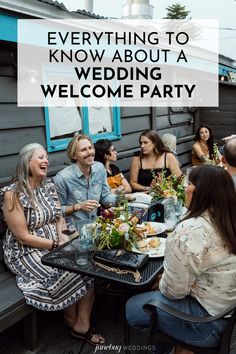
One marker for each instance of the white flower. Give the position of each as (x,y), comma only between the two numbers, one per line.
(124,228)
(175,198)
(122,217)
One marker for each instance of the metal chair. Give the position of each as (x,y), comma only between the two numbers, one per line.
(227,344)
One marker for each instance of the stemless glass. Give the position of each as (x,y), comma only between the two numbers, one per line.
(96,235)
(81,251)
(188,171)
(169,211)
(178,209)
(79,224)
(85,229)
(87,232)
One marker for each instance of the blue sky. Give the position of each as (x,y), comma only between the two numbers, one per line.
(223,10)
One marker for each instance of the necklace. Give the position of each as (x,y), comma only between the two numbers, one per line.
(137,276)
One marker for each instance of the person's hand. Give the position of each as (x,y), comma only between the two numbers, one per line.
(87,205)
(119,189)
(129,197)
(63,238)
(155,285)
(146,190)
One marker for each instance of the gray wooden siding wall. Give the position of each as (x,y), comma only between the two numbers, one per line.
(164,120)
(222,119)
(19,126)
(22,125)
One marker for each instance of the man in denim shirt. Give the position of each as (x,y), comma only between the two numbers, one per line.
(82,185)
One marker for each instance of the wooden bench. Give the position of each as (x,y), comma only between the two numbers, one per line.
(13,307)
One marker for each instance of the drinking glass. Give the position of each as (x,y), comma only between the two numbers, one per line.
(188,171)
(82,248)
(87,232)
(96,235)
(178,209)
(169,212)
(79,225)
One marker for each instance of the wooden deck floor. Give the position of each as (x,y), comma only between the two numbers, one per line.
(55,338)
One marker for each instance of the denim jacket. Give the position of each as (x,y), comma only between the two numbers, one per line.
(72,188)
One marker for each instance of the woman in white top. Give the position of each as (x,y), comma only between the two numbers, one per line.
(200,262)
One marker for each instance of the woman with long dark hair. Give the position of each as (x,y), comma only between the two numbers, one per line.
(199,275)
(204,149)
(154,157)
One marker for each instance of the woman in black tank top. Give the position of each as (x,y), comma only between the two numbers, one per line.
(145,175)
(154,157)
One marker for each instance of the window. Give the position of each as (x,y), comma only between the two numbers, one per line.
(62,123)
(102,122)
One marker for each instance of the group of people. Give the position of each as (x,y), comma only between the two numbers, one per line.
(156,154)
(200,259)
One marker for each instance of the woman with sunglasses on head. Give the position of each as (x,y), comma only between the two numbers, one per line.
(199,275)
(106,153)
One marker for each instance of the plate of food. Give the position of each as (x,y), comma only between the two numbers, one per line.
(152,228)
(153,246)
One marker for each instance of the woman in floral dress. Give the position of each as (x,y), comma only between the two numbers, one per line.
(33,216)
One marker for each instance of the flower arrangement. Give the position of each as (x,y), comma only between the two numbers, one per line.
(216,157)
(167,187)
(216,153)
(116,227)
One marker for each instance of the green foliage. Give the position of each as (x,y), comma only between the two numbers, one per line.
(115,226)
(177,12)
(167,187)
(216,157)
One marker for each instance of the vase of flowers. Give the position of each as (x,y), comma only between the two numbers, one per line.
(167,187)
(116,228)
(170,190)
(216,157)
